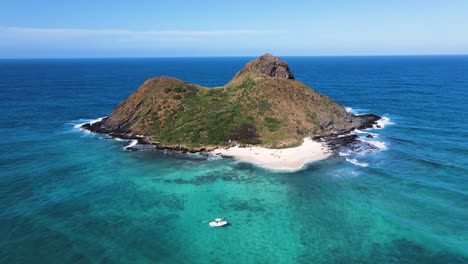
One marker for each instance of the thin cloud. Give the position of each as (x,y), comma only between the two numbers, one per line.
(123,32)
(40,41)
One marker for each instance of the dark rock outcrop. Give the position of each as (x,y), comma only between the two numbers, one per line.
(366,121)
(267,65)
(336,142)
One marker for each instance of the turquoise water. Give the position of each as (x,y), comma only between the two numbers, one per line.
(72,197)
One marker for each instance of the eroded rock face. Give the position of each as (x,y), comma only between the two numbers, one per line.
(267,65)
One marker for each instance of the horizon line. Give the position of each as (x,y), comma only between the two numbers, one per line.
(233,56)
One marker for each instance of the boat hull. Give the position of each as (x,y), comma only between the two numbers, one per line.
(217,224)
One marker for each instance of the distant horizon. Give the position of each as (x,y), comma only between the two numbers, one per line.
(234,56)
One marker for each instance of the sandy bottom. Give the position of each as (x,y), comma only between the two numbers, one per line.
(288,159)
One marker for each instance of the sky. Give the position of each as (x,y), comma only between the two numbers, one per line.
(175,28)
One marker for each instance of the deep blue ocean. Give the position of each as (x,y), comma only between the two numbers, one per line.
(67,196)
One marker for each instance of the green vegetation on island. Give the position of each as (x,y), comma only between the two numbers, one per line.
(262,104)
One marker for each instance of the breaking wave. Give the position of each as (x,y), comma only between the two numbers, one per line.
(133,143)
(381,123)
(355,162)
(381,145)
(77,124)
(369,141)
(355,111)
(212,157)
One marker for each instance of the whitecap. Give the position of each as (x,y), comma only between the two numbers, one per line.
(343,154)
(212,157)
(378,144)
(81,122)
(96,120)
(345,135)
(381,123)
(132,143)
(355,162)
(357,131)
(355,111)
(78,126)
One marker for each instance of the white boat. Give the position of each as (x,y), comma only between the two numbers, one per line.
(218,222)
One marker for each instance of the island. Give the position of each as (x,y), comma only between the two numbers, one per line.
(262,115)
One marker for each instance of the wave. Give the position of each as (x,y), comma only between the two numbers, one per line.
(355,162)
(357,131)
(80,122)
(212,157)
(345,135)
(381,123)
(349,110)
(381,145)
(343,154)
(97,120)
(355,111)
(132,144)
(368,141)
(77,126)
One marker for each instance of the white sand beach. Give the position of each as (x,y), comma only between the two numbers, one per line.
(288,159)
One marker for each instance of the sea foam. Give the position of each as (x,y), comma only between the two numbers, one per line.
(86,121)
(354,111)
(212,157)
(132,144)
(378,144)
(343,154)
(355,162)
(373,144)
(357,131)
(381,123)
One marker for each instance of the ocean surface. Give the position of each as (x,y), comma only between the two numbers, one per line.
(67,196)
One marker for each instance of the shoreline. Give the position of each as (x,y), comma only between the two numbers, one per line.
(287,159)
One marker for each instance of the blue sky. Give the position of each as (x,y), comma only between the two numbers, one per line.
(58,29)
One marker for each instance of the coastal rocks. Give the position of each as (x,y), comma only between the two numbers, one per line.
(348,143)
(336,142)
(366,120)
(96,127)
(328,127)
